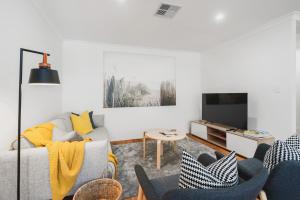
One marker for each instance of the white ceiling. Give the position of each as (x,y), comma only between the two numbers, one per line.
(132,22)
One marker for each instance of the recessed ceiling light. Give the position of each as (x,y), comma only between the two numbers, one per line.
(219,17)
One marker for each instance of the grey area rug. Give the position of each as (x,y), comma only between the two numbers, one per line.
(131,154)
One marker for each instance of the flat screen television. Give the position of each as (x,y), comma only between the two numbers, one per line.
(226,108)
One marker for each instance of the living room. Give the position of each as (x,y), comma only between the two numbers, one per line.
(186,51)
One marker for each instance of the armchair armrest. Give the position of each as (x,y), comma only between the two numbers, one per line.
(219,155)
(261,151)
(206,159)
(145,183)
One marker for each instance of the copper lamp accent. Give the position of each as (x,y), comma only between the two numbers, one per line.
(45,63)
(44,74)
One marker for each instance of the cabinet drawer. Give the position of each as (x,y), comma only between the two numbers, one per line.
(199,130)
(241,145)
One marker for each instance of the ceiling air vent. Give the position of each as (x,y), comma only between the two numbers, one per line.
(167,10)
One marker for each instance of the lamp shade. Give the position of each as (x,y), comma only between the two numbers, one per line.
(43,76)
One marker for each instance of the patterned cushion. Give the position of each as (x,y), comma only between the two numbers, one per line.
(279,152)
(221,174)
(293,141)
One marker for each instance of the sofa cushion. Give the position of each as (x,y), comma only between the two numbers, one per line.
(97,134)
(82,123)
(60,135)
(91,118)
(65,117)
(59,123)
(25,144)
(280,152)
(220,174)
(98,120)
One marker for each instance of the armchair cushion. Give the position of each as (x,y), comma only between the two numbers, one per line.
(165,184)
(278,153)
(249,168)
(220,174)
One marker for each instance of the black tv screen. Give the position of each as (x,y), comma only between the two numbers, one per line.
(226,108)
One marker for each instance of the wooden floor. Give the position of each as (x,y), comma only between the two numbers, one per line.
(213,146)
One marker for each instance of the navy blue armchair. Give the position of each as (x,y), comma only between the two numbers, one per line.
(283,181)
(166,188)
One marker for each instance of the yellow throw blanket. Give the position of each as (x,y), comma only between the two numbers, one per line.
(39,135)
(65,158)
(113,159)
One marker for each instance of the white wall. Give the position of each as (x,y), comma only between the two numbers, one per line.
(262,64)
(22,26)
(298,80)
(83,89)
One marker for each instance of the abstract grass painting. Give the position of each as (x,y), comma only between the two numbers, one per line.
(137,80)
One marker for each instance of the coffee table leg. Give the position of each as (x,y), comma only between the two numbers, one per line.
(158,153)
(174,145)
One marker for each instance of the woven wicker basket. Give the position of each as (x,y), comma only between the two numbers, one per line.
(100,189)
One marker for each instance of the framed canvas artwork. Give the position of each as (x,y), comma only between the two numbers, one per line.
(137,80)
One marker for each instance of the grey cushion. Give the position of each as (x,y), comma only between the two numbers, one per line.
(98,120)
(60,135)
(164,184)
(59,123)
(67,121)
(97,134)
(25,144)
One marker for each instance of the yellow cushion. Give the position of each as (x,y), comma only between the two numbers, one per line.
(82,123)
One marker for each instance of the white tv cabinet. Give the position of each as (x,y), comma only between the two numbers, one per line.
(228,137)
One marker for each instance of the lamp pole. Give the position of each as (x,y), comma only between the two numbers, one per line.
(22,50)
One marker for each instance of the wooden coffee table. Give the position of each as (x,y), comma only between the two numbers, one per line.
(158,135)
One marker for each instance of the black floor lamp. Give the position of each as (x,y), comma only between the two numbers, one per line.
(43,75)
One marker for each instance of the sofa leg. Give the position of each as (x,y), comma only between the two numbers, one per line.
(262,195)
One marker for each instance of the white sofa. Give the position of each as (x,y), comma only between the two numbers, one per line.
(35,182)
